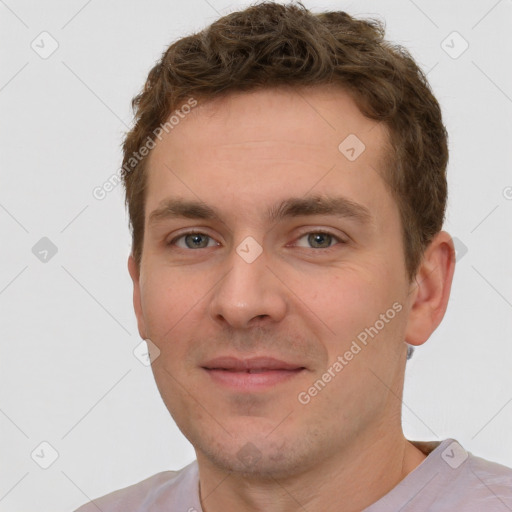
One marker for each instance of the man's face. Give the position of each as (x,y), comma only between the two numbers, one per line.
(321,279)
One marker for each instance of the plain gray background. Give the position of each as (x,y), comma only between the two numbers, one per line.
(68,373)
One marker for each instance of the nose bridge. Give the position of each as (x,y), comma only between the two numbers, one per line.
(249,289)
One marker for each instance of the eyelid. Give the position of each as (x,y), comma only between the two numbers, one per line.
(342,238)
(306,231)
(190,231)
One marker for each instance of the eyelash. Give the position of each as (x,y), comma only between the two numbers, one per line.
(319,232)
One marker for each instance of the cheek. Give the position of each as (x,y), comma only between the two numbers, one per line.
(350,304)
(345,300)
(168,298)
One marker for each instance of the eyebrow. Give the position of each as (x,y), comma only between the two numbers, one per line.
(292,207)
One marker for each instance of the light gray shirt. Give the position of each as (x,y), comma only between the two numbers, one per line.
(449,479)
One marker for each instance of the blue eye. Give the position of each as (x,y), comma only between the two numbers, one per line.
(313,240)
(193,240)
(319,240)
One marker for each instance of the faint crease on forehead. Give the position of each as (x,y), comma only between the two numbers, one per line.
(292,207)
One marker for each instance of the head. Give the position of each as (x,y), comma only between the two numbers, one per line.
(308,156)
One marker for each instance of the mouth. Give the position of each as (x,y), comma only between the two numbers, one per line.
(252,370)
(253,374)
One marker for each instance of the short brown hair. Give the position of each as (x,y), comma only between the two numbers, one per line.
(272,45)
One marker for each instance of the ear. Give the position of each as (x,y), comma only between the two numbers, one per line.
(134,271)
(430,290)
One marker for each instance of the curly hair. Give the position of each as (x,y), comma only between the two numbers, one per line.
(271,45)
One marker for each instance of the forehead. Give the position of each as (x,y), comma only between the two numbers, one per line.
(311,120)
(264,144)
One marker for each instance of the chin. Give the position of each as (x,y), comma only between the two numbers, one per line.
(259,456)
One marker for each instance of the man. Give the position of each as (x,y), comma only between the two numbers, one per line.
(286,185)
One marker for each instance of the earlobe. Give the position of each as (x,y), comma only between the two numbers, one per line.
(431,289)
(134,271)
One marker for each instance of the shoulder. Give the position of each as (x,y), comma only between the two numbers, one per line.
(450,478)
(479,484)
(167,485)
(490,478)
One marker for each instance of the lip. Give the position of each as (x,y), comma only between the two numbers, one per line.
(254,363)
(253,374)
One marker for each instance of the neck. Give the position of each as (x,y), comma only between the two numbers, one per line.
(348,481)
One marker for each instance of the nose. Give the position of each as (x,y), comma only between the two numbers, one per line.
(249,294)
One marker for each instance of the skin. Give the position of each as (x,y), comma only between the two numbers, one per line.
(297,301)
